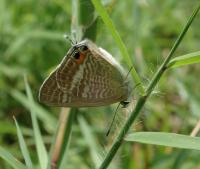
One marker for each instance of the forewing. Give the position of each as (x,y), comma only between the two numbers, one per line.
(49,92)
(95,82)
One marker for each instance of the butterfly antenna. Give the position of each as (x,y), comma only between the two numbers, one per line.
(69,39)
(111,124)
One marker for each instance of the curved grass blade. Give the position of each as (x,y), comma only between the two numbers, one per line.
(108,22)
(184,60)
(41,150)
(23,146)
(11,160)
(42,114)
(165,139)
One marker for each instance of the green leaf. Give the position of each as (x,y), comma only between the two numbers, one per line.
(11,160)
(165,139)
(23,146)
(88,20)
(184,60)
(108,22)
(41,150)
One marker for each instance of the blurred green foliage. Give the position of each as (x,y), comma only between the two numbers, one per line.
(32,43)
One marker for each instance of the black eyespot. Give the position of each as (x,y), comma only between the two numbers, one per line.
(84,48)
(76,55)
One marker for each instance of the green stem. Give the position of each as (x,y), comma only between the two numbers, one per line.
(122,133)
(142,99)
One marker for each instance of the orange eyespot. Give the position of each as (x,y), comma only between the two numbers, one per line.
(80,54)
(81,58)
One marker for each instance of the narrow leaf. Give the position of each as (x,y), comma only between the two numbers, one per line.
(108,22)
(23,146)
(11,160)
(184,60)
(41,150)
(165,139)
(42,114)
(90,140)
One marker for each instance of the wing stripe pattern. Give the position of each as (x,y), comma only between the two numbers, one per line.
(93,82)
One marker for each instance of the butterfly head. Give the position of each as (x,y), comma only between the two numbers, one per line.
(78,52)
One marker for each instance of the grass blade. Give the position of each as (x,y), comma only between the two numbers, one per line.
(90,140)
(11,160)
(23,146)
(165,139)
(108,22)
(184,60)
(41,150)
(42,114)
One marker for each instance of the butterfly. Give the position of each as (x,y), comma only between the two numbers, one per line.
(88,76)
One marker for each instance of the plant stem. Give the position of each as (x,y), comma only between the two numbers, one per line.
(142,99)
(63,136)
(79,21)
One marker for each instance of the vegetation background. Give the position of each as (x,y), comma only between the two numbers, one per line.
(32,43)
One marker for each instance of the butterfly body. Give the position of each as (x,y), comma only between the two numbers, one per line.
(88,76)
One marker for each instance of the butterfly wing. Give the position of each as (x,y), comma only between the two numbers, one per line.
(94,82)
(49,92)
